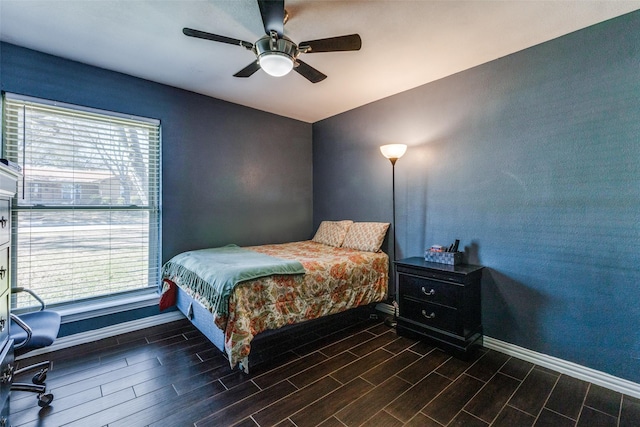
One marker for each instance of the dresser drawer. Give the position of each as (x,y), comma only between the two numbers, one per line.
(430,290)
(4,416)
(6,371)
(433,315)
(4,270)
(4,317)
(5,223)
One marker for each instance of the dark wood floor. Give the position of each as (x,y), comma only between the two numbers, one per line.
(363,374)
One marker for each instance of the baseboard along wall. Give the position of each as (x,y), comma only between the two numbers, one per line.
(559,365)
(106,332)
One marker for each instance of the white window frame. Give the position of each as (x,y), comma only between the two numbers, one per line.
(107,304)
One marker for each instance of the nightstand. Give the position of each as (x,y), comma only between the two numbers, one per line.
(440,303)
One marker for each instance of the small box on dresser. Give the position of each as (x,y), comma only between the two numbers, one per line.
(451,258)
(440,303)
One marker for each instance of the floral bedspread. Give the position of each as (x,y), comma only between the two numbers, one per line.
(336,279)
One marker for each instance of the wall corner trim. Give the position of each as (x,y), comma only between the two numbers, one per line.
(565,367)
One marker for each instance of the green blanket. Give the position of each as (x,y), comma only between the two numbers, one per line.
(213,273)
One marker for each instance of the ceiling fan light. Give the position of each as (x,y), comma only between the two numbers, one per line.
(275,63)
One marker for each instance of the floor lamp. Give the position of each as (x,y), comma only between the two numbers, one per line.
(393,152)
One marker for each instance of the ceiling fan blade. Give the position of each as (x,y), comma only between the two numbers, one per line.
(308,72)
(248,70)
(272,12)
(216,38)
(333,44)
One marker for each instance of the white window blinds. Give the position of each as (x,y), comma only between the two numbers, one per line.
(86,221)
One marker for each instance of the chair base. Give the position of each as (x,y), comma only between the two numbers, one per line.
(43,366)
(38,386)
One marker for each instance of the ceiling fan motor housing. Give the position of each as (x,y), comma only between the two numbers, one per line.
(276,55)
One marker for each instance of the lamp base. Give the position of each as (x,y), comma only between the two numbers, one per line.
(391,321)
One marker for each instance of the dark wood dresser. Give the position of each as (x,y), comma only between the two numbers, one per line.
(8,186)
(440,303)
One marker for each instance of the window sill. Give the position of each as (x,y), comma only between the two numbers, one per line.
(106,306)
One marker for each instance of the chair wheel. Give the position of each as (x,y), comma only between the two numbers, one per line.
(45,400)
(40,377)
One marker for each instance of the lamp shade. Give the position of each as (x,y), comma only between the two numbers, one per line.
(393,151)
(276,64)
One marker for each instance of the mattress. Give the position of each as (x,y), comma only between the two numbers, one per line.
(335,280)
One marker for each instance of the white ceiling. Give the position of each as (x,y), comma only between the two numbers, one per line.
(404,43)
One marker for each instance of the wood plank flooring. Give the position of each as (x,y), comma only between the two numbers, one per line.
(362,374)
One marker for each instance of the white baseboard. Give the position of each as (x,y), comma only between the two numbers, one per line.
(106,332)
(559,365)
(565,367)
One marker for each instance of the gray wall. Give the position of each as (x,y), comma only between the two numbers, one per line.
(533,162)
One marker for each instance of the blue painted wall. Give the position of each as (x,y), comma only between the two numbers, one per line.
(533,162)
(224,166)
(530,160)
(231,174)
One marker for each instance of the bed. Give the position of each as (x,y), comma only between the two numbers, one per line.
(340,270)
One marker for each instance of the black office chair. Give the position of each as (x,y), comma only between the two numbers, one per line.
(30,331)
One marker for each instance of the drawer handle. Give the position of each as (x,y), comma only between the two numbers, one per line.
(3,271)
(428,316)
(3,222)
(7,374)
(431,292)
(3,323)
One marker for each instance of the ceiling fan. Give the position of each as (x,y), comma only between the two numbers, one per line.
(275,53)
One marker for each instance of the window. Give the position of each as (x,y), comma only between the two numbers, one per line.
(86,220)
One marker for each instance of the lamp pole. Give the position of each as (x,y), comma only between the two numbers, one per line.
(393,201)
(393,152)
(394,321)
